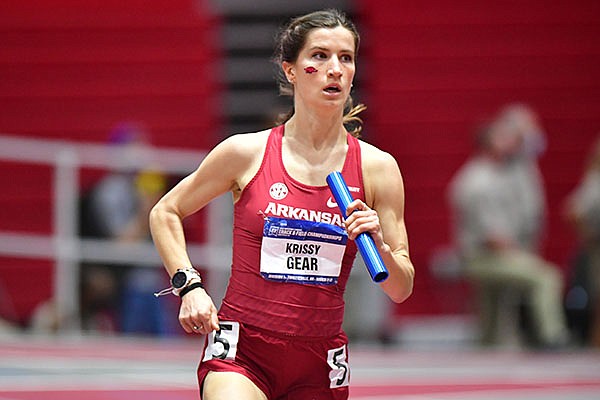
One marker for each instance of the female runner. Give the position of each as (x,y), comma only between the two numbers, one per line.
(278,333)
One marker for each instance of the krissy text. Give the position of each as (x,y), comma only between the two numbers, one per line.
(302,263)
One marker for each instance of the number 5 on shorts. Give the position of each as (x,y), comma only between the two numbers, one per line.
(340,371)
(222,344)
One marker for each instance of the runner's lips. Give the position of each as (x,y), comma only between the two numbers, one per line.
(333,88)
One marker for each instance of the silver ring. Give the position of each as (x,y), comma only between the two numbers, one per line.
(196,328)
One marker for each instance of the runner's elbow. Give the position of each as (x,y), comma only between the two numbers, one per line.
(400,289)
(402,295)
(158,214)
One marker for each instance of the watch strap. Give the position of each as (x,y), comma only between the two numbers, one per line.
(190,287)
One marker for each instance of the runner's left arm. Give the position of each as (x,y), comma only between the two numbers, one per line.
(383,218)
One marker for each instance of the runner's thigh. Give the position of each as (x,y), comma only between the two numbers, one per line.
(230,385)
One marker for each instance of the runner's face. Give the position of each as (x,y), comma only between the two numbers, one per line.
(325,68)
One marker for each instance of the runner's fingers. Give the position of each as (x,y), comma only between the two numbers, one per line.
(356,205)
(202,324)
(191,324)
(189,328)
(214,321)
(200,329)
(367,221)
(205,322)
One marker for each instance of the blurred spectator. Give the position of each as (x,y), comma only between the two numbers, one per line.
(498,204)
(119,297)
(529,190)
(583,210)
(112,204)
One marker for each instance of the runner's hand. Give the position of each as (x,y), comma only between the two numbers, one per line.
(362,219)
(198,313)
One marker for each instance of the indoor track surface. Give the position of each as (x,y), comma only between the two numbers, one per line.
(114,369)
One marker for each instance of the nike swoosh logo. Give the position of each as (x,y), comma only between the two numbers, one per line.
(331,203)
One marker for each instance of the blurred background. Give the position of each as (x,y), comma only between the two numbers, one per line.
(104,105)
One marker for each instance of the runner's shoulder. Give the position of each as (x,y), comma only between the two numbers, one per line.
(245,144)
(375,158)
(242,147)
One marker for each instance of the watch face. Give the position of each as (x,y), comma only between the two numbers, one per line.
(179,279)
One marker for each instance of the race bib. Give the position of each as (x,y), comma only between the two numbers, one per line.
(339,376)
(304,252)
(222,344)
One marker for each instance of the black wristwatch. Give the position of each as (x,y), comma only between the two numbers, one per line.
(182,281)
(183,277)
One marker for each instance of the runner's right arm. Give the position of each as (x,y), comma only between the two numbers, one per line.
(224,169)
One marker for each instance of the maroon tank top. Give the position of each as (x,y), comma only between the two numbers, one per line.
(291,308)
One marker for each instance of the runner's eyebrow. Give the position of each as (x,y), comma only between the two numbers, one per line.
(328,49)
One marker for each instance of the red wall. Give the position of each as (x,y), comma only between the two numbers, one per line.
(434,68)
(73,69)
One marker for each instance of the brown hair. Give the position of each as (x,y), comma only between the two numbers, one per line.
(291,39)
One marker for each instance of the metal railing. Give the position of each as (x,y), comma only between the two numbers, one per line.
(67,249)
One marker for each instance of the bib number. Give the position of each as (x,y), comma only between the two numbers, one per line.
(222,344)
(340,370)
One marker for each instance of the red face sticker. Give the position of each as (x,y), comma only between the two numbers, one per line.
(310,70)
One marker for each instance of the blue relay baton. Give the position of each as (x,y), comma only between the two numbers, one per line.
(364,241)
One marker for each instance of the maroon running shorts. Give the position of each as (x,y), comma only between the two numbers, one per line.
(283,367)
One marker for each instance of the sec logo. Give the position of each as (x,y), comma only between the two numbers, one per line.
(278,191)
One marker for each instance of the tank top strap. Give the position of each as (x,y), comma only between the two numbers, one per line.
(353,163)
(275,140)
